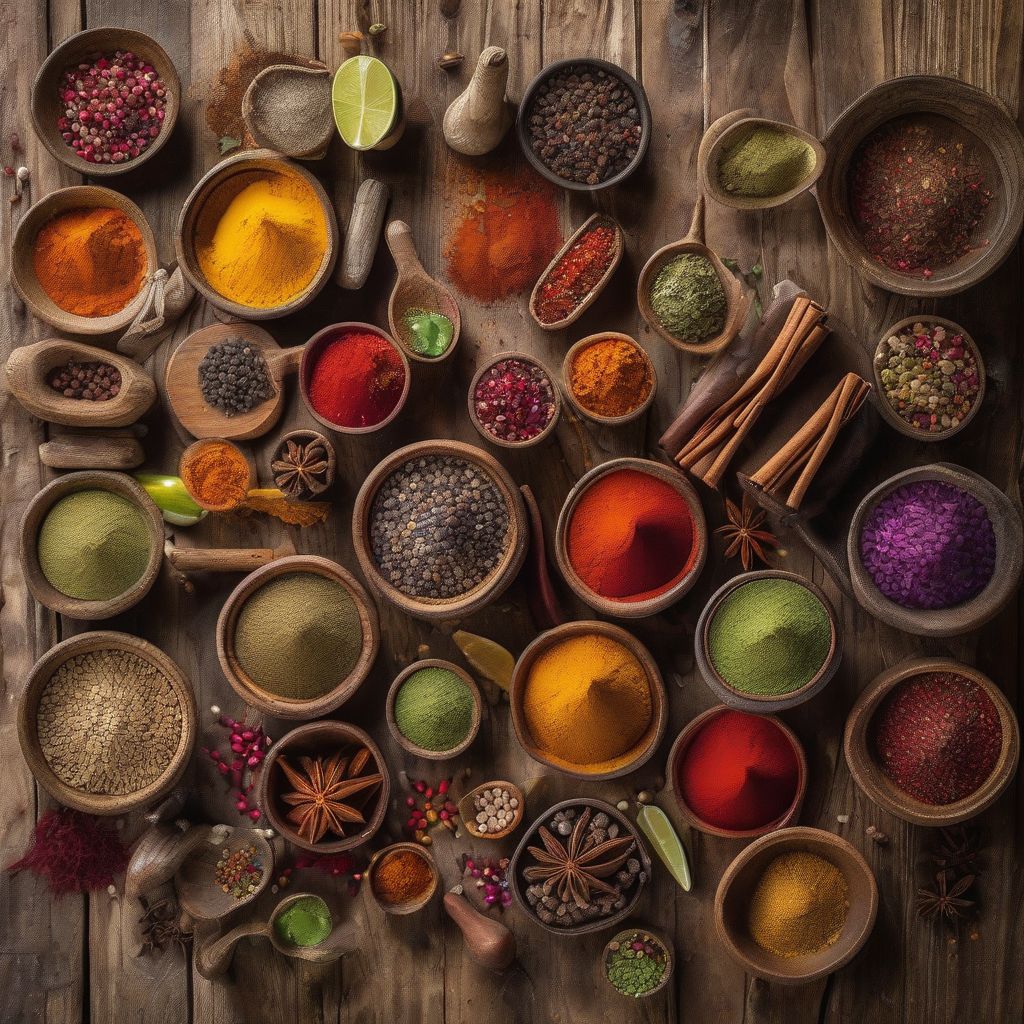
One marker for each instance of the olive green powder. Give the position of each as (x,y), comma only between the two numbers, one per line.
(298,636)
(434,709)
(688,299)
(766,163)
(93,545)
(769,637)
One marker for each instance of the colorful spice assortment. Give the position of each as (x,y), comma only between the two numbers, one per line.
(216,474)
(576,274)
(91,382)
(432,805)
(306,922)
(766,162)
(496,810)
(611,377)
(238,873)
(434,709)
(635,963)
(490,876)
(234,378)
(687,298)
(429,333)
(401,877)
(514,400)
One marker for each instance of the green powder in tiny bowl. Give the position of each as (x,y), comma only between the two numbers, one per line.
(765,163)
(434,709)
(429,333)
(769,637)
(306,922)
(635,963)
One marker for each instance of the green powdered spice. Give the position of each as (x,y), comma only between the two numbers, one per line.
(430,334)
(769,637)
(635,963)
(307,922)
(766,163)
(93,545)
(298,636)
(688,299)
(434,709)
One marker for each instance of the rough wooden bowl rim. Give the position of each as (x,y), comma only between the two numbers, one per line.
(582,410)
(643,750)
(968,615)
(193,450)
(205,901)
(681,745)
(874,783)
(518,886)
(410,906)
(556,397)
(889,414)
(99,40)
(341,734)
(263,81)
(467,811)
(42,672)
(651,605)
(660,939)
(764,703)
(123,486)
(484,592)
(184,247)
(407,744)
(308,435)
(249,690)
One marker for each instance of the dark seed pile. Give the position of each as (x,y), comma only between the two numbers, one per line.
(438,527)
(584,124)
(93,382)
(233,377)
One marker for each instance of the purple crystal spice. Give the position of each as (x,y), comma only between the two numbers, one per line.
(929,544)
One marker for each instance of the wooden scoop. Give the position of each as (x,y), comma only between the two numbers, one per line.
(416,289)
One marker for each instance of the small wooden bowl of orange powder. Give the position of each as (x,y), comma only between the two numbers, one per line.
(403,877)
(216,473)
(609,379)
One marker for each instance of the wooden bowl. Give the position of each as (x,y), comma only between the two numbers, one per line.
(28,709)
(764,704)
(88,480)
(199,894)
(678,752)
(408,906)
(23,275)
(270,703)
(28,367)
(867,771)
(47,106)
(316,487)
(647,744)
(317,739)
(657,939)
(483,593)
(471,402)
(889,414)
(195,449)
(651,605)
(262,108)
(964,617)
(518,884)
(242,163)
(468,811)
(593,221)
(979,118)
(311,353)
(407,744)
(582,410)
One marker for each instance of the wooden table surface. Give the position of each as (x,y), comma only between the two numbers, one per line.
(73,959)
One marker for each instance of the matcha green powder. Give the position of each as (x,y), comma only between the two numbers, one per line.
(307,922)
(766,163)
(688,299)
(434,709)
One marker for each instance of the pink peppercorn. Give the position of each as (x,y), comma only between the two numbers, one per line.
(514,400)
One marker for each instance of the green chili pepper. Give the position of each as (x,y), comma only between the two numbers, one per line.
(171,497)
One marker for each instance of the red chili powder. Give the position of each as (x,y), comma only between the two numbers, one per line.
(739,772)
(358,379)
(631,536)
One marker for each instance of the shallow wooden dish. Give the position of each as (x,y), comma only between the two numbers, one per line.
(23,275)
(28,708)
(647,744)
(249,690)
(483,593)
(318,738)
(262,95)
(659,939)
(594,220)
(890,415)
(606,421)
(407,744)
(194,449)
(47,106)
(28,367)
(518,884)
(983,120)
(308,437)
(471,402)
(732,903)
(969,615)
(198,893)
(764,704)
(246,162)
(651,605)
(678,751)
(876,785)
(409,906)
(467,812)
(90,479)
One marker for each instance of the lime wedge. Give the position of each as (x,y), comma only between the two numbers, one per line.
(365,99)
(491,660)
(654,824)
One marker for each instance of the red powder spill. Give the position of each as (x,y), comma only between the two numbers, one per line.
(357,380)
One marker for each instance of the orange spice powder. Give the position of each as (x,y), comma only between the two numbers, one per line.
(216,475)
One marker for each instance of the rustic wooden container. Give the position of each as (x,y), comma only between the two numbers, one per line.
(467,811)
(593,417)
(198,893)
(195,449)
(471,402)
(308,437)
(659,939)
(409,906)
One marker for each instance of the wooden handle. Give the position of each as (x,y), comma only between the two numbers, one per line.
(363,234)
(696,232)
(218,559)
(161,850)
(488,941)
(284,361)
(213,958)
(403,249)
(92,451)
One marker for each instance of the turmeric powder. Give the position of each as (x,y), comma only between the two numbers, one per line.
(217,475)
(611,377)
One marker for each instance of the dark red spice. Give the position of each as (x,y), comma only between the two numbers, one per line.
(937,737)
(514,400)
(249,745)
(93,382)
(574,276)
(358,379)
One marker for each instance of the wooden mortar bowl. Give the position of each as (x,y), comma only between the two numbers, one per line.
(248,689)
(647,744)
(194,449)
(303,436)
(439,609)
(467,812)
(763,704)
(658,939)
(876,785)
(606,421)
(732,903)
(87,480)
(23,275)
(198,893)
(247,162)
(471,401)
(28,709)
(651,605)
(409,906)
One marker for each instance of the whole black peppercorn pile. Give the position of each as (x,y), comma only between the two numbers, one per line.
(233,377)
(584,124)
(93,382)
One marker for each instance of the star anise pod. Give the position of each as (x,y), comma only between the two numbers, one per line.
(946,901)
(958,850)
(742,533)
(301,468)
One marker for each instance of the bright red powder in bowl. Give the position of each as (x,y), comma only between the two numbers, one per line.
(357,380)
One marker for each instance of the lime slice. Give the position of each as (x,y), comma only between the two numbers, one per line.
(365,98)
(491,660)
(654,824)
